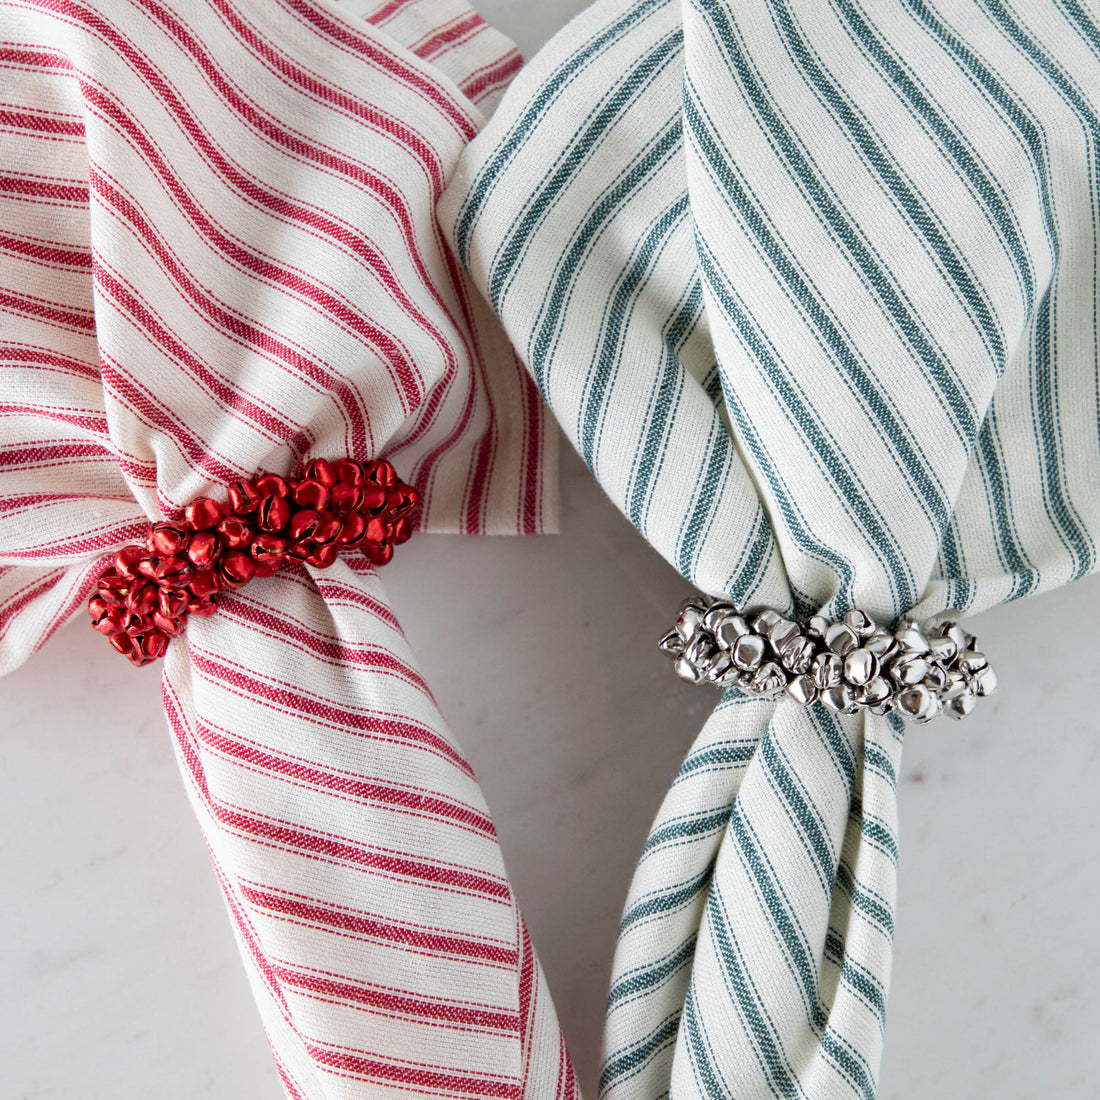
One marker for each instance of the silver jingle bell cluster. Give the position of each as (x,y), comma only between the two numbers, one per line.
(846,665)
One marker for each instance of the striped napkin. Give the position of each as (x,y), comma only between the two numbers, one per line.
(219,254)
(813,289)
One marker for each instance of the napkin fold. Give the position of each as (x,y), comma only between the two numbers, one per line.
(218,255)
(812,288)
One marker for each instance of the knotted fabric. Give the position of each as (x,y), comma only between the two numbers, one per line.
(812,287)
(219,255)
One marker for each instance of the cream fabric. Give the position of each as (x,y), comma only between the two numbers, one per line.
(813,289)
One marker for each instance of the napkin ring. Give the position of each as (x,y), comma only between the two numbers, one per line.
(150,591)
(847,665)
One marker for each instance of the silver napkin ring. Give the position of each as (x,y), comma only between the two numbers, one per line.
(846,665)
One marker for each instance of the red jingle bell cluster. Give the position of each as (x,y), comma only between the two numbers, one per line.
(148,595)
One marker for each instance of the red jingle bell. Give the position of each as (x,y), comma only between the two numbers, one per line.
(150,591)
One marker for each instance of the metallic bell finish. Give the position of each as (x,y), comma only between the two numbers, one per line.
(691,618)
(860,622)
(840,638)
(859,666)
(960,706)
(985,682)
(718,611)
(847,665)
(828,670)
(749,651)
(688,671)
(909,669)
(149,592)
(802,690)
(730,629)
(798,654)
(204,513)
(912,639)
(881,644)
(839,698)
(876,691)
(769,679)
(764,622)
(783,632)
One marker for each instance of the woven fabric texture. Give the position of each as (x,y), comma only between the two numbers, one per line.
(813,289)
(219,254)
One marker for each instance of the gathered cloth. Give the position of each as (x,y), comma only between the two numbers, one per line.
(813,289)
(219,254)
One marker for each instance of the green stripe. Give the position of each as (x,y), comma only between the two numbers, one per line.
(679,831)
(664,145)
(767,1045)
(657,904)
(584,144)
(540,102)
(645,978)
(624,1063)
(616,316)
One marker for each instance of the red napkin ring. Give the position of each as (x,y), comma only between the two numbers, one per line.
(146,597)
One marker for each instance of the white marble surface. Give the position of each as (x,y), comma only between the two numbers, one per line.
(120,977)
(118,971)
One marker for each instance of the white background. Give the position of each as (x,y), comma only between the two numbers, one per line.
(118,973)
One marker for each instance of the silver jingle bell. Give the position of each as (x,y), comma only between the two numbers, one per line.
(846,665)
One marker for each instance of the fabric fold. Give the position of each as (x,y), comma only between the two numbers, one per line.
(812,291)
(220,255)
(359,860)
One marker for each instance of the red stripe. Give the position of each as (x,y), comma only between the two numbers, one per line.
(148,411)
(500,73)
(53,190)
(455,1014)
(422,476)
(284,629)
(21,354)
(343,100)
(94,424)
(17,501)
(386,11)
(46,252)
(527,993)
(318,709)
(288,1082)
(100,542)
(247,933)
(80,588)
(374,927)
(334,592)
(258,341)
(119,383)
(261,123)
(463,27)
(408,378)
(370,49)
(339,850)
(70,317)
(532,457)
(54,125)
(416,1077)
(62,453)
(23,599)
(394,199)
(567,1082)
(302,772)
(33,56)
